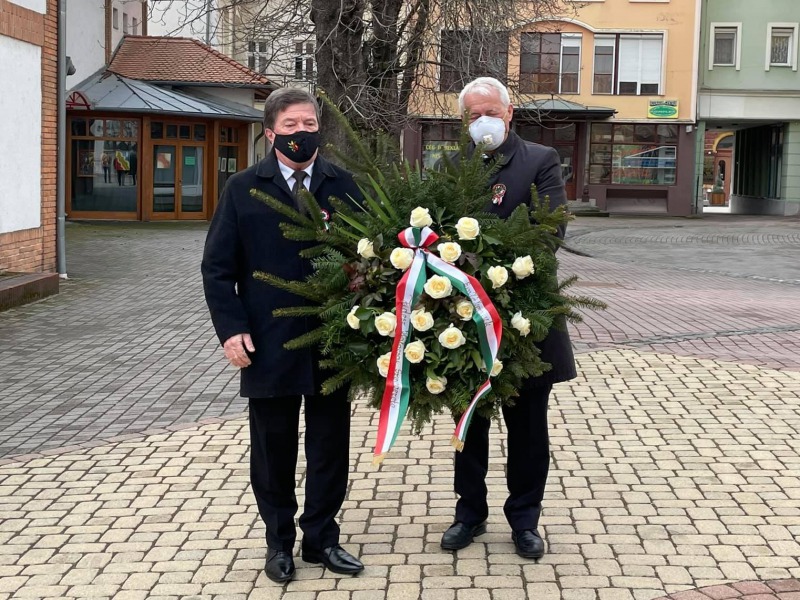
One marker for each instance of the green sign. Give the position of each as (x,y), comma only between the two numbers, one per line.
(663,109)
(189,161)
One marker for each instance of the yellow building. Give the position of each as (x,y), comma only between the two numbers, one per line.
(610,85)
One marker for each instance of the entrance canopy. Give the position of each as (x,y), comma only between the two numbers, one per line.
(106,91)
(557,108)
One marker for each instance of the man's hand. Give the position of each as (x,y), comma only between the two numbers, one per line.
(234,350)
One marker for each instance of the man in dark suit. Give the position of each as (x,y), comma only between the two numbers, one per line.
(245,237)
(520,165)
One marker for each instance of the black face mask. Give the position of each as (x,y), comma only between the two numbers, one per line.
(298,147)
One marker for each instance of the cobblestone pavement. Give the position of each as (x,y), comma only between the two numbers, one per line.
(676,460)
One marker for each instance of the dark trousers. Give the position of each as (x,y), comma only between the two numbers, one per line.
(274,432)
(526,471)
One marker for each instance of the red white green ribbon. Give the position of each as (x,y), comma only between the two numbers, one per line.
(396,395)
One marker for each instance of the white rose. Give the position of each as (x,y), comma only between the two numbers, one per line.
(521,324)
(386,324)
(421,320)
(498,276)
(438,287)
(365,248)
(384,360)
(464,310)
(449,251)
(467,228)
(523,266)
(436,385)
(496,368)
(401,258)
(415,352)
(421,217)
(352,319)
(452,338)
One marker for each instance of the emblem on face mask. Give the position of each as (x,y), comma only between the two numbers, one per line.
(498,191)
(293,146)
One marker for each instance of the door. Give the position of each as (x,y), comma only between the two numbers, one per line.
(562,137)
(178,181)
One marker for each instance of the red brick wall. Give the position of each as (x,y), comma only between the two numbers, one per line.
(34,250)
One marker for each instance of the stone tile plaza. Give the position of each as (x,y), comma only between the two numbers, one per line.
(676,452)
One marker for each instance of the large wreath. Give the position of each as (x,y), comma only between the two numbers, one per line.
(425,301)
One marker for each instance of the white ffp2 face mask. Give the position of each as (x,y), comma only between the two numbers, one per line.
(489,131)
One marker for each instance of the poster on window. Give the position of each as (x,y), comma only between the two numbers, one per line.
(163,160)
(231,165)
(434,150)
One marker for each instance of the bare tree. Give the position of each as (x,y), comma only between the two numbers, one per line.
(380,61)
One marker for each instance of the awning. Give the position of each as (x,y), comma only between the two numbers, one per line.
(552,107)
(110,92)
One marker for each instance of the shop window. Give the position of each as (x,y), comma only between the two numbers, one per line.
(104,175)
(185,132)
(199,133)
(78,127)
(640,154)
(156,130)
(530,132)
(112,128)
(550,63)
(467,54)
(172,131)
(229,135)
(439,139)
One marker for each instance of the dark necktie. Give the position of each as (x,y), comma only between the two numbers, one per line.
(299,176)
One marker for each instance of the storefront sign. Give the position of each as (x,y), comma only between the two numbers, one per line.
(662,109)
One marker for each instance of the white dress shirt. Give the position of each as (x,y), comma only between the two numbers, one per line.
(288,174)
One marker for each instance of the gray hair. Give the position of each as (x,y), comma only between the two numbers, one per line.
(484,86)
(283,98)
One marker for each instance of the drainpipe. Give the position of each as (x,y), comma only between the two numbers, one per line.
(61,148)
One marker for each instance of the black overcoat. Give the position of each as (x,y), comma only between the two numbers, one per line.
(522,164)
(244,237)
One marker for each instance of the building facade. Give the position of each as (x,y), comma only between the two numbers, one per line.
(750,85)
(155,135)
(28,33)
(611,86)
(95,29)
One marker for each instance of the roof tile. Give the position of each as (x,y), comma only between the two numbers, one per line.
(183,60)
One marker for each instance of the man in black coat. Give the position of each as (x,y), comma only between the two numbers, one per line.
(520,165)
(245,237)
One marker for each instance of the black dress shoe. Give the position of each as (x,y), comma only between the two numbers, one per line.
(460,535)
(280,566)
(334,558)
(529,543)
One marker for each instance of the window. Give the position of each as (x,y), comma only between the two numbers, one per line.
(781,45)
(304,61)
(257,55)
(550,63)
(628,65)
(634,154)
(639,70)
(125,27)
(134,26)
(604,47)
(467,54)
(724,45)
(115,18)
(438,140)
